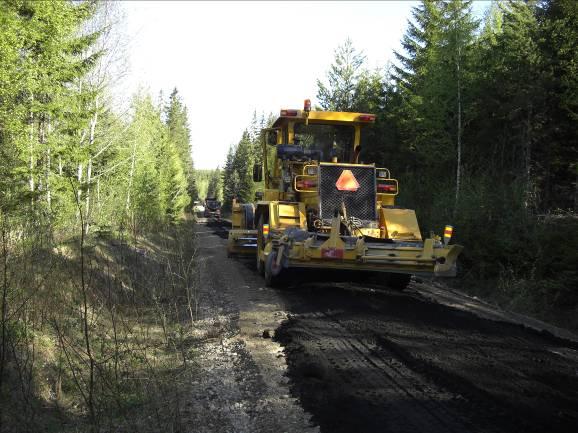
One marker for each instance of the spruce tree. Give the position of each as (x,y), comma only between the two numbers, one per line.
(230,182)
(342,78)
(243,164)
(558,168)
(179,134)
(214,188)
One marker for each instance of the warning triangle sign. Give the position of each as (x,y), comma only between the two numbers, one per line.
(347,182)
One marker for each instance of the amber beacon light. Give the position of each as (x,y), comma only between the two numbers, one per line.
(448,232)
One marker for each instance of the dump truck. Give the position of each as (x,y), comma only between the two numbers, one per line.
(321,206)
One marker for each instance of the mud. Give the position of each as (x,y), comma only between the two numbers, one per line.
(350,355)
(388,362)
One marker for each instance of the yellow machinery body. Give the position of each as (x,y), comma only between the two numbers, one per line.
(320,207)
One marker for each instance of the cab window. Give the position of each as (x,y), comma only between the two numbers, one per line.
(331,140)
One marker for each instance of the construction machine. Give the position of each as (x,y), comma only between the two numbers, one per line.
(321,207)
(212,208)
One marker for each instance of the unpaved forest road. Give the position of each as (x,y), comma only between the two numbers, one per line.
(359,358)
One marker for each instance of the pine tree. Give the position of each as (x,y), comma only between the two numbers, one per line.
(431,80)
(43,55)
(243,164)
(214,188)
(511,95)
(458,37)
(558,168)
(230,180)
(342,79)
(179,134)
(418,115)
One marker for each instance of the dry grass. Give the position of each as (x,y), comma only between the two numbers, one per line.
(142,304)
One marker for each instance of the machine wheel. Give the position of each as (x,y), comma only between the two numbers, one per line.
(398,282)
(248,216)
(272,270)
(260,265)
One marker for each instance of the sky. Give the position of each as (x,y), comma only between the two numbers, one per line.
(230,59)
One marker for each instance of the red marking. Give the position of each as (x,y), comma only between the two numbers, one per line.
(347,182)
(307,184)
(387,188)
(332,253)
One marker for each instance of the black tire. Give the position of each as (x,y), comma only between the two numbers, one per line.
(272,271)
(398,282)
(248,216)
(259,264)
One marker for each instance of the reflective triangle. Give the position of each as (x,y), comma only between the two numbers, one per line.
(347,182)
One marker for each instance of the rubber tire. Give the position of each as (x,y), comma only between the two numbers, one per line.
(271,271)
(259,264)
(249,216)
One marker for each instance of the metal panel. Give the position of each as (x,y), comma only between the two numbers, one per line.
(359,204)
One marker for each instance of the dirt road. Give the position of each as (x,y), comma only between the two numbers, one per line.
(350,356)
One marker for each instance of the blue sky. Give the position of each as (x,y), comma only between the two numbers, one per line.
(229,59)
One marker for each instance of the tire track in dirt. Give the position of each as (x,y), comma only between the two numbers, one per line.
(392,396)
(389,362)
(364,359)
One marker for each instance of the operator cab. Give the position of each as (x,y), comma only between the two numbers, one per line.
(328,142)
(301,139)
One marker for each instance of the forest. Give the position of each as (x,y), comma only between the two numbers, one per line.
(477,120)
(80,182)
(98,292)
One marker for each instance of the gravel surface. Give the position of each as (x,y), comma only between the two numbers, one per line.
(241,383)
(352,356)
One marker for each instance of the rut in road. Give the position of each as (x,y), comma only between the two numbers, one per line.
(390,362)
(364,359)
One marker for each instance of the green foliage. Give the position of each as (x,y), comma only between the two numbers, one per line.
(214,186)
(71,166)
(512,168)
(230,180)
(180,136)
(343,77)
(478,121)
(243,167)
(237,174)
(209,183)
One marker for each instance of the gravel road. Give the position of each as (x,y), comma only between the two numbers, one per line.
(351,356)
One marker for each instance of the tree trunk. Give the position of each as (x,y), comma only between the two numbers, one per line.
(31,148)
(459,132)
(576,190)
(131,174)
(529,201)
(91,139)
(79,178)
(98,205)
(48,166)
(87,198)
(4,312)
